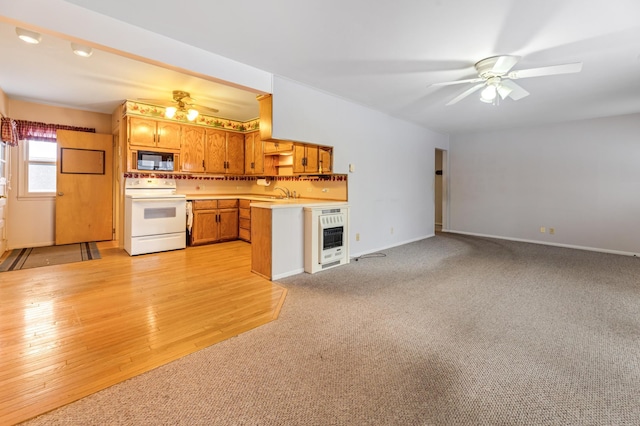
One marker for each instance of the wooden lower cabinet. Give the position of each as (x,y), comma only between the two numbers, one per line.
(214,220)
(244,227)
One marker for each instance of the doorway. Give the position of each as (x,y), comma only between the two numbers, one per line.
(440,192)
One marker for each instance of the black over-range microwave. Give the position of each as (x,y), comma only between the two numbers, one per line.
(158,161)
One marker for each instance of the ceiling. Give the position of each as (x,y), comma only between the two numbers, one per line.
(51,74)
(383,55)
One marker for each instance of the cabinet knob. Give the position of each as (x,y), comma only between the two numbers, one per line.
(61,193)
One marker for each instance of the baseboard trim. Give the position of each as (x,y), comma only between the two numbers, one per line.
(400,243)
(287,274)
(545,243)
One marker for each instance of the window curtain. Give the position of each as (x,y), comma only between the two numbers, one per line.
(34,131)
(9,131)
(15,130)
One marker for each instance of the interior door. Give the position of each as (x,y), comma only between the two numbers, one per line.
(84,201)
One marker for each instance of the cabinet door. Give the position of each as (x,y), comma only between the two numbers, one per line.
(235,153)
(215,151)
(228,224)
(258,154)
(192,149)
(277,146)
(248,153)
(168,135)
(311,164)
(254,154)
(324,161)
(142,131)
(299,158)
(205,227)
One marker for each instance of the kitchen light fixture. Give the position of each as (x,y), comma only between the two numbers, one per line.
(488,94)
(170,112)
(192,114)
(80,50)
(27,36)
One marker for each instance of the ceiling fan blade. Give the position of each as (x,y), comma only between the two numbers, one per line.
(551,70)
(205,109)
(503,91)
(504,64)
(449,83)
(515,90)
(465,94)
(156,101)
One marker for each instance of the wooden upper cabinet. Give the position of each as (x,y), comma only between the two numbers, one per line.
(276,147)
(152,133)
(325,159)
(168,135)
(235,153)
(193,148)
(141,131)
(254,154)
(305,158)
(216,142)
(224,152)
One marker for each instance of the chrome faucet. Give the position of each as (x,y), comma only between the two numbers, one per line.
(285,191)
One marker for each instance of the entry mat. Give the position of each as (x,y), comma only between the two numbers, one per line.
(27,258)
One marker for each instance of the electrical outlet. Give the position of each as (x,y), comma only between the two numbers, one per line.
(352,168)
(543,229)
(392,229)
(358,237)
(552,231)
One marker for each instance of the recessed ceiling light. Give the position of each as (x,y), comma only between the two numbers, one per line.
(27,36)
(80,50)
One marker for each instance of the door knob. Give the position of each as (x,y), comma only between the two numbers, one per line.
(61,193)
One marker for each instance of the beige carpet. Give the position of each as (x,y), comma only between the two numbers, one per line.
(51,255)
(453,330)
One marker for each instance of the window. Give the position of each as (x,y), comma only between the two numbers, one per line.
(39,171)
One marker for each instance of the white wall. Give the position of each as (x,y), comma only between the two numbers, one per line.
(393,182)
(581,178)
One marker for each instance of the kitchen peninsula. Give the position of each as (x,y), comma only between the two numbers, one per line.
(276,227)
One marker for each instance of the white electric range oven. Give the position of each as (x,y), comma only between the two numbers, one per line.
(154,216)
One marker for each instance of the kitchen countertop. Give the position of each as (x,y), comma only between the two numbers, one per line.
(267,202)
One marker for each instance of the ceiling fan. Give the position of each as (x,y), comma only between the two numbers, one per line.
(495,78)
(183,102)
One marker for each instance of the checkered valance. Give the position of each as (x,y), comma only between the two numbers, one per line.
(14,130)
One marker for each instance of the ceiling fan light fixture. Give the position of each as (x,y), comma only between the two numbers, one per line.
(83,51)
(170,112)
(488,94)
(192,114)
(27,36)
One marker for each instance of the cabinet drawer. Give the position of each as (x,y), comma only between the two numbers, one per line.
(245,223)
(227,204)
(205,204)
(245,204)
(244,234)
(245,213)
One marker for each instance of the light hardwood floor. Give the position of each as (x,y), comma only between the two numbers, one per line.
(70,330)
